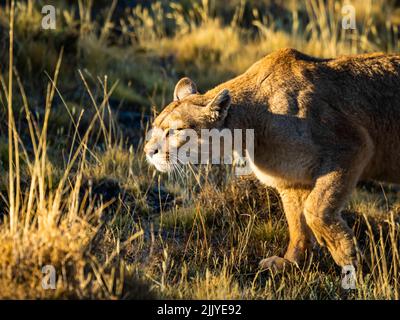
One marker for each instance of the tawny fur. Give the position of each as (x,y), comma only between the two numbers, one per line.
(320,126)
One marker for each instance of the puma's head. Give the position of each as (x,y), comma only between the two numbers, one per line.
(188,110)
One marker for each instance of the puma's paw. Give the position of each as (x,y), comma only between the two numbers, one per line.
(274,263)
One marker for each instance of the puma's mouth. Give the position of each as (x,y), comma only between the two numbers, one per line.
(162,163)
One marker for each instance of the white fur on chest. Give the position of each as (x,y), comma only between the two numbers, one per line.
(265,178)
(289,175)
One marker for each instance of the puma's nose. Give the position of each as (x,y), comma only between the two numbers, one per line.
(151,152)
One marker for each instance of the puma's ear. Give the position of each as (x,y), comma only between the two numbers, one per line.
(183,88)
(219,106)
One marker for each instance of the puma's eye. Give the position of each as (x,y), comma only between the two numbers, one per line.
(168,132)
(171,132)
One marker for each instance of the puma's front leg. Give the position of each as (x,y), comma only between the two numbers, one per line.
(300,236)
(333,187)
(322,212)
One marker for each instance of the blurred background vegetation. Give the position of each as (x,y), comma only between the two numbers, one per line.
(112,226)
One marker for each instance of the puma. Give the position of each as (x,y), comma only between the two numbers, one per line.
(320,126)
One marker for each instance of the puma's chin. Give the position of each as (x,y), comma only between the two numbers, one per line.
(159,164)
(163,167)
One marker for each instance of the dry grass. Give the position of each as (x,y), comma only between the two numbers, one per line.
(76,193)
